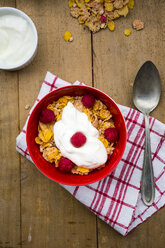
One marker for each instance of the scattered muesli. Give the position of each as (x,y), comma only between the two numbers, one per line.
(99,14)
(27,106)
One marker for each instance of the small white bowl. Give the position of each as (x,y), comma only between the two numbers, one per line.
(30,57)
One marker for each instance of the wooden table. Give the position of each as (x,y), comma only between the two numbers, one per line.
(29,202)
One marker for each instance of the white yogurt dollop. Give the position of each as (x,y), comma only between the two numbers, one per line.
(93,153)
(17,40)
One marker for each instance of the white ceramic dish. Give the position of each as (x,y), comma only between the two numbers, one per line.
(30,57)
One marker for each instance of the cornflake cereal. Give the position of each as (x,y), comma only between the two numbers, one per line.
(97,114)
(99,14)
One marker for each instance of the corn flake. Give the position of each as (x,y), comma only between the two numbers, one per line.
(45,145)
(105,125)
(38,141)
(108,6)
(82,169)
(57,159)
(104,114)
(123,11)
(58,115)
(87,112)
(131,4)
(51,153)
(104,141)
(80,3)
(51,107)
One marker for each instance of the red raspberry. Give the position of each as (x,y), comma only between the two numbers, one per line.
(65,165)
(111,134)
(103,19)
(47,116)
(78,139)
(88,101)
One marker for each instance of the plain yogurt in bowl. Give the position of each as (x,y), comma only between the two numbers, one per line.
(18,39)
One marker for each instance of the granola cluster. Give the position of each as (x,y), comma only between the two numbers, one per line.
(99,14)
(98,115)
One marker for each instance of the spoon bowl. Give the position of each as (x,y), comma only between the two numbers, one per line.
(146,95)
(147,88)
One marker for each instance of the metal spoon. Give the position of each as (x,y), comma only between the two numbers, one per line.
(146,95)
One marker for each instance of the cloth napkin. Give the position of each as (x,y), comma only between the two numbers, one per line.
(116,199)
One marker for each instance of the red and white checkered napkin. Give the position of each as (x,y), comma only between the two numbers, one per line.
(116,199)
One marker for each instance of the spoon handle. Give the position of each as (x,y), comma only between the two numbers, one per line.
(147,183)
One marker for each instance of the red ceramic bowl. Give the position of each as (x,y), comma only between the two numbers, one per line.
(49,169)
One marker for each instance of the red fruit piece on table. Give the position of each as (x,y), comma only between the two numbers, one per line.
(111,134)
(47,116)
(103,19)
(65,165)
(78,139)
(88,101)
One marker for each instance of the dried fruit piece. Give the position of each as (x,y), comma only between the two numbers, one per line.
(65,165)
(127,32)
(78,139)
(111,26)
(111,134)
(103,19)
(47,116)
(67,36)
(138,24)
(88,101)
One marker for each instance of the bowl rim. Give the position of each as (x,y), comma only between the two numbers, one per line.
(18,12)
(99,177)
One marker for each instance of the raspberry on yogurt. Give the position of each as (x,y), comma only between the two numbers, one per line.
(78,139)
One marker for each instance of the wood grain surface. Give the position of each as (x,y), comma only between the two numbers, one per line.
(36,212)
